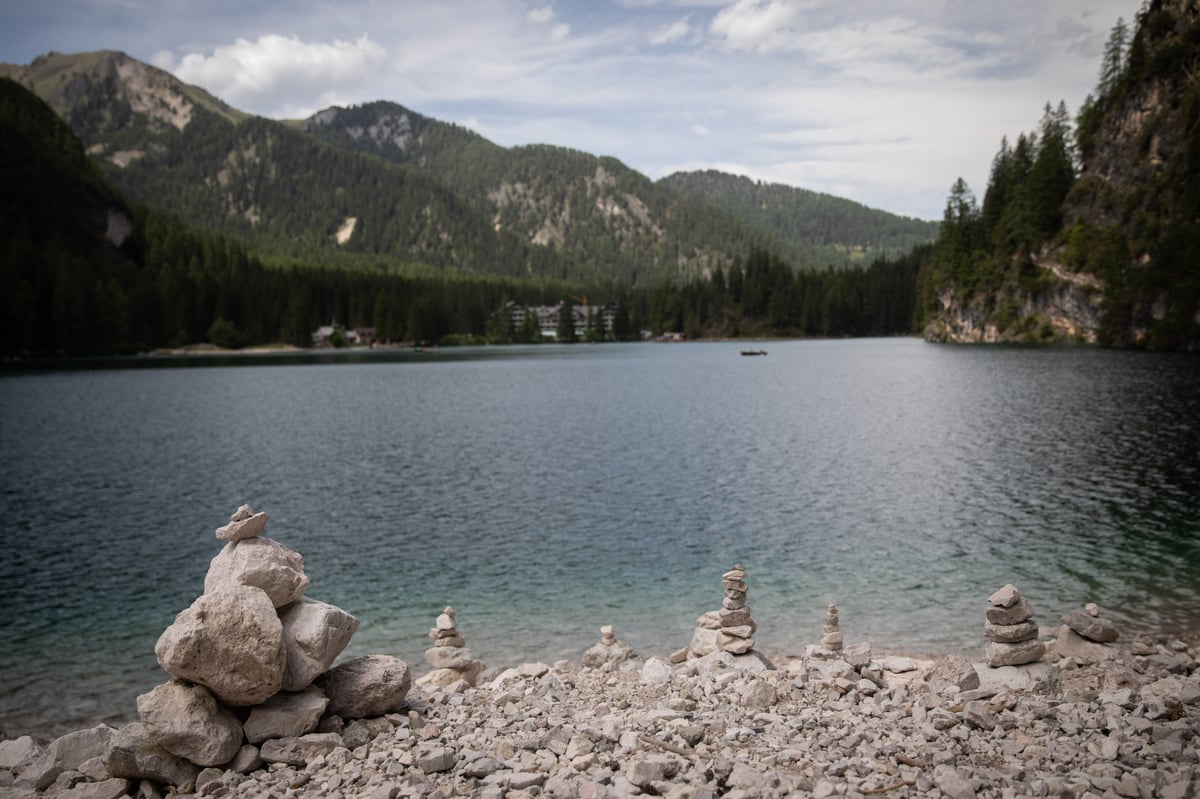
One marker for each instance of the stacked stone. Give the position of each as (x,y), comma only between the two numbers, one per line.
(832,639)
(610,653)
(255,642)
(730,629)
(1010,630)
(1085,635)
(451,660)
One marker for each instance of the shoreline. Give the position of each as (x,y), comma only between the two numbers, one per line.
(824,724)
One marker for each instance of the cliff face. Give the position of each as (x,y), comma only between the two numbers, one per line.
(1124,268)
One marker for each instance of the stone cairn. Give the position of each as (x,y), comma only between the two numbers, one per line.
(832,639)
(453,666)
(1011,632)
(610,653)
(251,664)
(730,629)
(1085,635)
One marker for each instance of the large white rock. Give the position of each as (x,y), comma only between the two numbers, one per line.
(66,753)
(286,715)
(996,654)
(189,722)
(244,523)
(314,634)
(230,641)
(263,563)
(366,686)
(137,755)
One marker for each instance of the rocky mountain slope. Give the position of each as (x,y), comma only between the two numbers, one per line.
(1120,267)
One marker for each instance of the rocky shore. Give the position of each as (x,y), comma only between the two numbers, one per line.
(1075,710)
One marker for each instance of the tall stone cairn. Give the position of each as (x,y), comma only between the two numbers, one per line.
(832,639)
(736,633)
(451,660)
(1010,630)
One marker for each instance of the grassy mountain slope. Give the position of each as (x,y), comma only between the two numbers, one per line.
(806,218)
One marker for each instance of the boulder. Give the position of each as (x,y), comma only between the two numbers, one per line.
(286,715)
(188,722)
(16,753)
(314,634)
(1094,628)
(704,642)
(263,563)
(135,754)
(366,686)
(1073,645)
(66,753)
(230,641)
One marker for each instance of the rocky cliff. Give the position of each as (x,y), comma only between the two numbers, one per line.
(1123,269)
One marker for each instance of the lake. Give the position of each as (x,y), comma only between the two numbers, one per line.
(544,491)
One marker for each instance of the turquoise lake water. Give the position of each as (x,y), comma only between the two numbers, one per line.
(544,491)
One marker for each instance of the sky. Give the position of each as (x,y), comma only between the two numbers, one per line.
(885,102)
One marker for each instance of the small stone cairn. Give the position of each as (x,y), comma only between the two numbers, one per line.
(730,629)
(453,666)
(251,660)
(610,653)
(1011,632)
(1085,635)
(832,639)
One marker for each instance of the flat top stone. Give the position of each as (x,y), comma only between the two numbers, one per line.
(1006,597)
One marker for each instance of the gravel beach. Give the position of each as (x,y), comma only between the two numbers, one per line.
(821,724)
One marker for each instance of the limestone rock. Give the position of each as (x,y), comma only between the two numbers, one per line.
(366,686)
(998,654)
(449,653)
(262,563)
(314,634)
(188,722)
(953,672)
(1010,633)
(244,523)
(18,752)
(1073,645)
(1006,597)
(230,641)
(286,715)
(1014,614)
(302,750)
(66,753)
(136,754)
(1091,626)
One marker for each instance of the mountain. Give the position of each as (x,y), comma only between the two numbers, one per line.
(805,218)
(174,147)
(1096,239)
(602,216)
(380,187)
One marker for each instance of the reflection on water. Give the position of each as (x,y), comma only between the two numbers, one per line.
(544,491)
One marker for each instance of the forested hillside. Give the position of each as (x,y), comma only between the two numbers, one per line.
(1091,235)
(606,219)
(845,229)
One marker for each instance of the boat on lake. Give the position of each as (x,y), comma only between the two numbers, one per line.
(754,352)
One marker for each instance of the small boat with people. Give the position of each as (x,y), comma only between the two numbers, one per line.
(754,352)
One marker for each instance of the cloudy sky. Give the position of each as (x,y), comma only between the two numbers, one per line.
(882,101)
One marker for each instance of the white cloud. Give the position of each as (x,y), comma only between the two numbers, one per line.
(700,130)
(757,25)
(540,16)
(282,74)
(674,32)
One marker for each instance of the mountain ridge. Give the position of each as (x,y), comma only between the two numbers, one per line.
(548,210)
